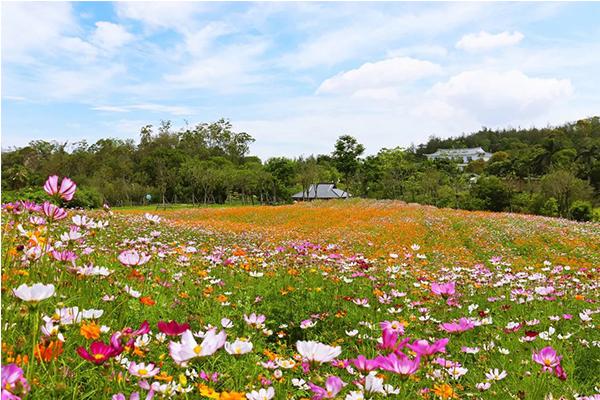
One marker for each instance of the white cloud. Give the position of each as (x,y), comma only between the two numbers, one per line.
(485,41)
(28,27)
(381,75)
(157,108)
(154,15)
(494,96)
(110,36)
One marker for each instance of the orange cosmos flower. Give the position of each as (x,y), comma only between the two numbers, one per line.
(90,330)
(231,396)
(49,352)
(445,391)
(147,300)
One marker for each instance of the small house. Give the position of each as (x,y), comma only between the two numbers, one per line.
(321,191)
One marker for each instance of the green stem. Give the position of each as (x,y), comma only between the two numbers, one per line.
(34,332)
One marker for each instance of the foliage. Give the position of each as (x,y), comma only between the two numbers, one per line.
(581,210)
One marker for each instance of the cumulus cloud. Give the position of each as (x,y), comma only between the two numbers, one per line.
(494,96)
(110,36)
(378,77)
(155,15)
(485,41)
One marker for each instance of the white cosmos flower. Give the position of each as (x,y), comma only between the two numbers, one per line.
(319,352)
(495,375)
(188,348)
(373,384)
(36,292)
(152,218)
(262,394)
(143,370)
(226,323)
(239,346)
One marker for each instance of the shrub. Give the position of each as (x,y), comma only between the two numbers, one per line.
(581,210)
(550,208)
(86,198)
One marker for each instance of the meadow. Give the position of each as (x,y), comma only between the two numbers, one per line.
(346,299)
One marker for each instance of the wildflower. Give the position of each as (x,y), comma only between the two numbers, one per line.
(333,385)
(374,384)
(99,352)
(255,320)
(423,348)
(14,383)
(143,370)
(226,323)
(398,363)
(547,358)
(132,257)
(443,289)
(188,348)
(65,255)
(36,292)
(172,328)
(53,212)
(364,364)
(90,330)
(445,391)
(262,394)
(318,352)
(152,218)
(239,346)
(495,375)
(462,325)
(483,386)
(65,191)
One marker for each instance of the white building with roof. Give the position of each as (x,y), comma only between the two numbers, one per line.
(321,191)
(462,156)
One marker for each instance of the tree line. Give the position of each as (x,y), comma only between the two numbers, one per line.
(551,171)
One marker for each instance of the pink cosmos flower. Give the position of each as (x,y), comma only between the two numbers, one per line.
(99,352)
(13,382)
(65,191)
(399,363)
(208,377)
(362,363)
(65,255)
(143,370)
(53,212)
(547,358)
(443,289)
(392,326)
(132,257)
(423,348)
(462,325)
(255,320)
(172,328)
(333,385)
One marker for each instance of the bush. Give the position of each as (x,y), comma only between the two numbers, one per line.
(550,208)
(596,215)
(581,210)
(84,197)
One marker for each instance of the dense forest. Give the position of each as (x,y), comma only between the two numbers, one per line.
(552,171)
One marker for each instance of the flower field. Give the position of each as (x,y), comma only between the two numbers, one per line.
(347,300)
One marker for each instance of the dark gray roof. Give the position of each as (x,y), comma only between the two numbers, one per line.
(323,191)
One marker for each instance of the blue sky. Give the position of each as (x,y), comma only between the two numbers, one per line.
(296,75)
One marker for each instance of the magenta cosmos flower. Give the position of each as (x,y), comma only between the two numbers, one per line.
(14,383)
(333,385)
(53,212)
(462,325)
(547,358)
(99,352)
(399,363)
(172,328)
(362,363)
(65,191)
(423,348)
(132,257)
(443,289)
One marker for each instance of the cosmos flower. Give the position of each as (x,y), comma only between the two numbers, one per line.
(255,320)
(65,191)
(53,212)
(36,292)
(239,346)
(547,358)
(423,348)
(152,218)
(143,370)
(14,383)
(172,328)
(64,256)
(364,364)
(99,352)
(495,375)
(333,385)
(443,289)
(132,257)
(399,363)
(262,394)
(317,352)
(188,348)
(462,325)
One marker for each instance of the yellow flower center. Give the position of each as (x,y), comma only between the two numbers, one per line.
(143,371)
(98,356)
(197,349)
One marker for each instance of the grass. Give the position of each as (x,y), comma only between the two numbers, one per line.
(317,271)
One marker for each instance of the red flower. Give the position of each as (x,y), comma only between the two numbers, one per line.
(172,328)
(99,352)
